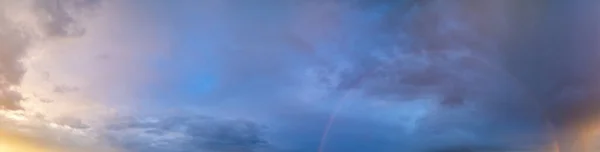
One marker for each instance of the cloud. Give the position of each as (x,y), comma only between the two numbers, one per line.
(394,52)
(72,122)
(36,20)
(525,75)
(423,76)
(528,73)
(491,68)
(188,133)
(12,49)
(65,89)
(37,134)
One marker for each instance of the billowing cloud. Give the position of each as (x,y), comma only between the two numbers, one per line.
(24,23)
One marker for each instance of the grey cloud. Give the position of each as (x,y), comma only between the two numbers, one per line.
(189,133)
(58,17)
(65,89)
(237,135)
(72,122)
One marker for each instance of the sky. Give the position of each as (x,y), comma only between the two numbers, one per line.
(299,76)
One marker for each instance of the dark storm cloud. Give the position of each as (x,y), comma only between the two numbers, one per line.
(56,20)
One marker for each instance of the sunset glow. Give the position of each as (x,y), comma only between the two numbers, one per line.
(12,142)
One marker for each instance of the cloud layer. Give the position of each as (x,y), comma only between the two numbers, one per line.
(297,76)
